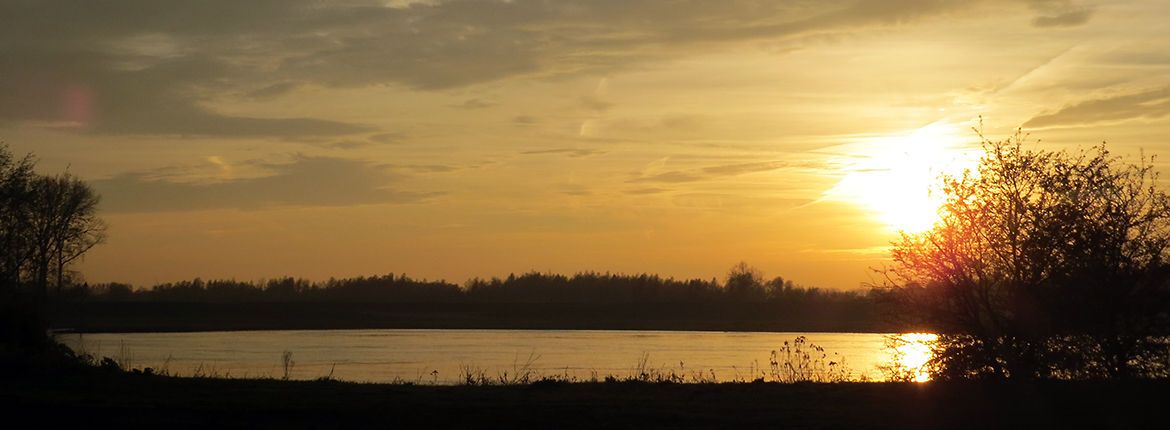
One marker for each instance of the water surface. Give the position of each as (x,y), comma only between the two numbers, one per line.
(443,356)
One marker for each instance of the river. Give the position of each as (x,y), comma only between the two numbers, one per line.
(449,356)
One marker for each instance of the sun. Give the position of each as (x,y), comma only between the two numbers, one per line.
(896,179)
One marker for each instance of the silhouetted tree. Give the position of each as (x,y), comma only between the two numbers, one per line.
(21,322)
(1043,265)
(63,226)
(46,223)
(16,175)
(745,283)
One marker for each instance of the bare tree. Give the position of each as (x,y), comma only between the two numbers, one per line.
(1044,264)
(64,226)
(15,177)
(46,223)
(745,283)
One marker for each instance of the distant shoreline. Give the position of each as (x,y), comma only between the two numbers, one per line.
(141,317)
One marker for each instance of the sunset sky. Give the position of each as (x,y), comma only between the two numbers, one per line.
(455,139)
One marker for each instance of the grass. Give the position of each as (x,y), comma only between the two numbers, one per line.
(102,398)
(647,397)
(287,364)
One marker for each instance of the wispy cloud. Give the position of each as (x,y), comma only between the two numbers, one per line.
(305,181)
(571,152)
(594,103)
(708,173)
(1149,104)
(474,104)
(721,201)
(146,68)
(1060,13)
(646,191)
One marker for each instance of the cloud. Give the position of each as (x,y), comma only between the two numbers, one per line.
(1137,56)
(577,190)
(1071,18)
(474,104)
(708,173)
(1060,13)
(148,67)
(1149,104)
(428,168)
(594,103)
(348,144)
(739,169)
(80,93)
(523,120)
(344,144)
(672,177)
(645,191)
(305,181)
(274,90)
(877,251)
(717,201)
(571,152)
(192,121)
(387,138)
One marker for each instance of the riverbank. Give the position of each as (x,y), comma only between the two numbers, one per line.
(114,317)
(92,397)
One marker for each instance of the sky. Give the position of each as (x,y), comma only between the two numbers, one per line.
(459,139)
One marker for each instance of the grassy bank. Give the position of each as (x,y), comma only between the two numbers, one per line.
(93,397)
(167,316)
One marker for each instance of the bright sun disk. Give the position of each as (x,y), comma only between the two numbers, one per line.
(897,178)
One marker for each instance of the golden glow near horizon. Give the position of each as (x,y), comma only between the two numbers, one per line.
(451,139)
(897,179)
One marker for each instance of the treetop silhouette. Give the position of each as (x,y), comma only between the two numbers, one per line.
(1044,264)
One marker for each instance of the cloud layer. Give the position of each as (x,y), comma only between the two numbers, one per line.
(306,181)
(1148,104)
(140,67)
(707,173)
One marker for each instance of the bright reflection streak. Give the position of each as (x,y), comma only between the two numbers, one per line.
(912,351)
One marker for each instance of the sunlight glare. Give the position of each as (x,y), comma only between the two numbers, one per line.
(897,178)
(913,351)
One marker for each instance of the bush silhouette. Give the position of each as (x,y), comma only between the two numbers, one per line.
(1043,265)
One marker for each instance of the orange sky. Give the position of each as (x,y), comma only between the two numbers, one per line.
(452,139)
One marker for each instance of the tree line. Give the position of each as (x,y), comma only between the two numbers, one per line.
(743,284)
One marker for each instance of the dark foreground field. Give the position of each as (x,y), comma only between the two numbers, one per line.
(95,399)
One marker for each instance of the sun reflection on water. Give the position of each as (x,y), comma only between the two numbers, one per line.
(911,352)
